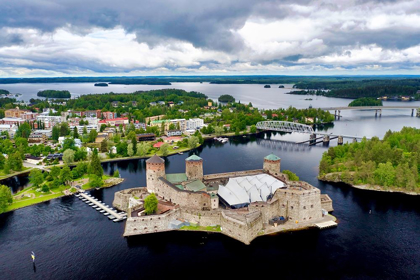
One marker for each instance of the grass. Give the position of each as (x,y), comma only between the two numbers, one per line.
(14,173)
(201,228)
(28,202)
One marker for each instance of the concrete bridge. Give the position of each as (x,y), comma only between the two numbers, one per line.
(284,126)
(378,109)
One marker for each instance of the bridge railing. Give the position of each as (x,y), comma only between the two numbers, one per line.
(285,126)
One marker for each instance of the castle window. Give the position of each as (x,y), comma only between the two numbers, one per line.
(312,206)
(304,207)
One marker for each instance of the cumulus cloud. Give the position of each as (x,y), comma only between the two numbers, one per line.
(75,37)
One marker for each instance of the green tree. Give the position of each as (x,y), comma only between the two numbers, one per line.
(75,133)
(6,197)
(36,177)
(292,176)
(66,175)
(95,181)
(2,161)
(95,166)
(64,129)
(68,156)
(55,133)
(164,149)
(92,135)
(134,143)
(192,142)
(385,174)
(253,129)
(150,204)
(15,161)
(143,148)
(116,173)
(24,130)
(104,146)
(103,126)
(130,150)
(218,130)
(55,172)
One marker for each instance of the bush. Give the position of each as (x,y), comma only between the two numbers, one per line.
(116,173)
(45,188)
(292,176)
(150,204)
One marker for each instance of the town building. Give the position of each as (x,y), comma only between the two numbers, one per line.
(244,204)
(154,118)
(173,132)
(195,123)
(15,113)
(114,122)
(12,120)
(9,128)
(146,137)
(109,115)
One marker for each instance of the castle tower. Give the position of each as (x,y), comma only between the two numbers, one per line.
(194,167)
(272,164)
(155,168)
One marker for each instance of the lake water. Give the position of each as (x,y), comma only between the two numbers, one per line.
(73,241)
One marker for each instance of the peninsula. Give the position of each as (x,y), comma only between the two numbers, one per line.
(242,205)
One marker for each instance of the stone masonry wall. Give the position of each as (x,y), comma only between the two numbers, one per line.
(272,167)
(150,224)
(121,198)
(194,169)
(240,230)
(153,172)
(189,199)
(204,218)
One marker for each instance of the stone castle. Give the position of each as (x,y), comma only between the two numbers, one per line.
(243,204)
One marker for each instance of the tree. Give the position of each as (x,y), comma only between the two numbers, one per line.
(130,150)
(172,126)
(164,149)
(69,143)
(142,148)
(24,130)
(150,204)
(116,173)
(55,133)
(134,143)
(103,126)
(79,170)
(55,172)
(92,135)
(68,156)
(65,175)
(6,197)
(218,130)
(15,161)
(95,181)
(292,176)
(75,133)
(95,166)
(81,154)
(2,161)
(192,142)
(36,177)
(104,146)
(64,129)
(253,129)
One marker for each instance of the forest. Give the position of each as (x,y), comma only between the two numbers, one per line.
(365,101)
(4,92)
(391,163)
(49,93)
(226,98)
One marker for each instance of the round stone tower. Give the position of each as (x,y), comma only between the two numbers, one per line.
(272,164)
(194,167)
(155,168)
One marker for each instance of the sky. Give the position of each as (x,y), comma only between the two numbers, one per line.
(219,37)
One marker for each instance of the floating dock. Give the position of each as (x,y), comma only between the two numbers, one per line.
(102,207)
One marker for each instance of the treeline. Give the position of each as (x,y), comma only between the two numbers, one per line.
(4,92)
(54,93)
(390,163)
(307,116)
(365,101)
(361,88)
(111,80)
(226,98)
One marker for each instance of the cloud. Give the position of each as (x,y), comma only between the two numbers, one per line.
(74,37)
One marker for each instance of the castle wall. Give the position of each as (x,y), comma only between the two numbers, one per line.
(326,203)
(204,218)
(198,200)
(121,198)
(244,232)
(150,224)
(194,169)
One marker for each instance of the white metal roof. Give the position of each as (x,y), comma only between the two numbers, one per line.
(248,189)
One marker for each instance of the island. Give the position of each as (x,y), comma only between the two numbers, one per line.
(54,93)
(267,86)
(101,84)
(242,205)
(4,92)
(281,86)
(389,165)
(226,98)
(365,101)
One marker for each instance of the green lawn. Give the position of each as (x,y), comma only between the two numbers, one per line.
(201,228)
(14,173)
(27,202)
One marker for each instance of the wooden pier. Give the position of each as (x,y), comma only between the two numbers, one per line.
(102,207)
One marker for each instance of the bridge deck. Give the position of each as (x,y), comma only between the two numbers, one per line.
(103,206)
(369,108)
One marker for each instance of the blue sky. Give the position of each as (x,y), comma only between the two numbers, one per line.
(166,37)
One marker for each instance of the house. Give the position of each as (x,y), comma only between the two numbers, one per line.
(115,104)
(134,103)
(158,145)
(195,123)
(15,113)
(114,122)
(173,132)
(113,150)
(161,102)
(171,104)
(146,137)
(154,118)
(61,140)
(173,139)
(37,138)
(10,128)
(101,137)
(77,143)
(109,115)
(152,103)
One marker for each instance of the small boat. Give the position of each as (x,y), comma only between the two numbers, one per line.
(33,256)
(180,153)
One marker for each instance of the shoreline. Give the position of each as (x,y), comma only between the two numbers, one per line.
(367,187)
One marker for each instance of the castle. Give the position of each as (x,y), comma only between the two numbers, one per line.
(243,204)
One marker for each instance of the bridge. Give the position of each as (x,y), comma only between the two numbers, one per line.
(291,127)
(378,109)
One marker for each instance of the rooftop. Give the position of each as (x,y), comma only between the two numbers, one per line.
(272,157)
(193,157)
(195,186)
(155,159)
(176,178)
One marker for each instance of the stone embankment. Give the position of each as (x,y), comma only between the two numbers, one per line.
(336,178)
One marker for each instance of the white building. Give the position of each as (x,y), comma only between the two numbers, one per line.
(10,128)
(194,124)
(49,121)
(81,127)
